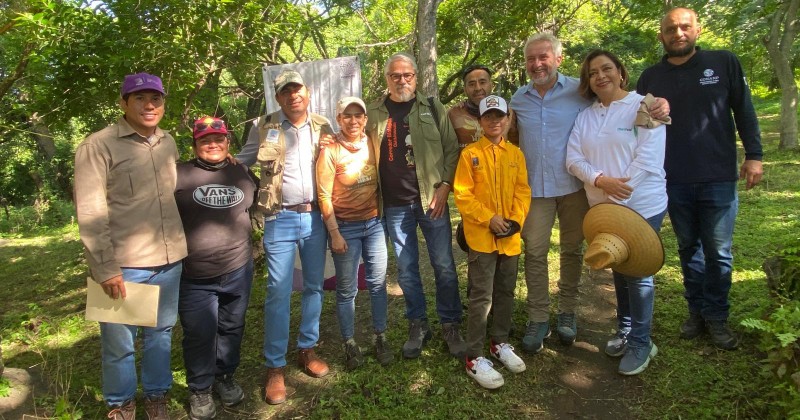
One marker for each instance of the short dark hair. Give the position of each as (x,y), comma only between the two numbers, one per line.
(583,87)
(472,68)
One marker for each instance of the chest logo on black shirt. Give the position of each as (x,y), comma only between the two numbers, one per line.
(709,78)
(218,196)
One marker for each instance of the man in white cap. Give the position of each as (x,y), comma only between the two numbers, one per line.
(130,227)
(289,142)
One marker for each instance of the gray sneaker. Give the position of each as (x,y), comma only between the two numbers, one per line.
(721,336)
(418,335)
(352,355)
(535,333)
(616,346)
(230,393)
(201,405)
(636,359)
(455,343)
(567,328)
(383,351)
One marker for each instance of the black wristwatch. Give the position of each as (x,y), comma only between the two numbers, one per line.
(439,184)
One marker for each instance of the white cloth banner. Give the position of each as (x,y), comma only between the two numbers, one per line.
(329,80)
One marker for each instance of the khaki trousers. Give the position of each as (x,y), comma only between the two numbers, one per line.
(492,279)
(536,232)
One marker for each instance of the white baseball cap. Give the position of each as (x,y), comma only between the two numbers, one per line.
(493,102)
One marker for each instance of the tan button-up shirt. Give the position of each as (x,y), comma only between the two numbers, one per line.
(124,195)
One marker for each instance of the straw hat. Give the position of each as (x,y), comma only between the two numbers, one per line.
(621,239)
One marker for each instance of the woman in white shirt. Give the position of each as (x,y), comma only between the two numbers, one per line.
(622,163)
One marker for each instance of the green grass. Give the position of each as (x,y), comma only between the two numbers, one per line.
(43,274)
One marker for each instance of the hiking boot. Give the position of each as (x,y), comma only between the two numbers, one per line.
(418,335)
(567,328)
(125,411)
(721,336)
(480,369)
(155,407)
(312,365)
(201,405)
(230,393)
(352,355)
(383,351)
(636,359)
(275,390)
(455,343)
(504,352)
(617,345)
(693,327)
(535,333)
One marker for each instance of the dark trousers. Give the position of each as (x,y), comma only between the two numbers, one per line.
(492,279)
(212,316)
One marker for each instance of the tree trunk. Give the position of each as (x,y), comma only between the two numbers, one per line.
(783,30)
(426,41)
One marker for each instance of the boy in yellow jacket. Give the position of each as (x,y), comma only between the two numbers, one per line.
(493,196)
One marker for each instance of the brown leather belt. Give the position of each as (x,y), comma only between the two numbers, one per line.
(302,207)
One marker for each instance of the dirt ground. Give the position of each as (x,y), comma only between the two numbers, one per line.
(587,380)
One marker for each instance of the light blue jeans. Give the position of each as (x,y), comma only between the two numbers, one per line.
(283,236)
(635,299)
(703,215)
(365,239)
(117,340)
(401,225)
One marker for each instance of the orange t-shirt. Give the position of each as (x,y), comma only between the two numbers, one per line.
(347,181)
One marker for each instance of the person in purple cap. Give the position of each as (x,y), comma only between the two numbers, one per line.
(214,200)
(132,233)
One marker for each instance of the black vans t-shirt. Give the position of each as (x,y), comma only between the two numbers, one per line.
(397,166)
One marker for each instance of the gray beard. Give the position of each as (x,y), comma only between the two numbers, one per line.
(402,96)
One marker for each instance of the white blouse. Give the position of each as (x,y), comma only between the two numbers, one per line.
(605,141)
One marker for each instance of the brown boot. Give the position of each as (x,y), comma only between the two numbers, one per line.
(275,390)
(126,411)
(311,364)
(156,407)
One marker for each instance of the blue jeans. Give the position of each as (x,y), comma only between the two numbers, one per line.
(117,340)
(635,298)
(283,236)
(401,225)
(212,316)
(365,239)
(703,215)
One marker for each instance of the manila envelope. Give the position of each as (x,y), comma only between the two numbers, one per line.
(140,306)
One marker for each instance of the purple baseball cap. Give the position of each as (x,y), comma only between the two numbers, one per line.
(141,81)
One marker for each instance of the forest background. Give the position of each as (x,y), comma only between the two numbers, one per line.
(61,63)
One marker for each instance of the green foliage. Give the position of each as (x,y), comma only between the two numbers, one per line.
(5,387)
(780,338)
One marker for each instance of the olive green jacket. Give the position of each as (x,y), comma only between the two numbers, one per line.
(272,156)
(435,143)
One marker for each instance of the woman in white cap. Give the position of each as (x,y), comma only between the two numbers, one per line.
(347,185)
(621,160)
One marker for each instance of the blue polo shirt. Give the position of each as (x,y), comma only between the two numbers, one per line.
(544,126)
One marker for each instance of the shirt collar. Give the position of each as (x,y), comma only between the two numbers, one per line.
(485,143)
(560,79)
(283,118)
(626,100)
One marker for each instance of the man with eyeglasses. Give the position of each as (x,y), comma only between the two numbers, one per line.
(478,84)
(417,152)
(289,142)
(125,177)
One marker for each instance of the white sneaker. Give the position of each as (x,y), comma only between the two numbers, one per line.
(482,371)
(504,352)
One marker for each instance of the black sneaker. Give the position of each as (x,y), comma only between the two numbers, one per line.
(721,336)
(230,393)
(352,355)
(201,405)
(455,343)
(693,327)
(383,351)
(418,335)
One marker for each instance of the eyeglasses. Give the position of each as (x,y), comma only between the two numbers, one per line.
(397,76)
(203,126)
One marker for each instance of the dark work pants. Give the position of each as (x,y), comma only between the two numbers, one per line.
(212,316)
